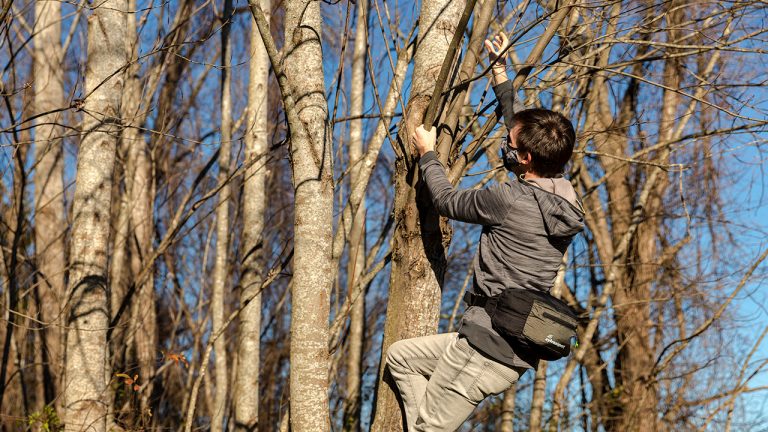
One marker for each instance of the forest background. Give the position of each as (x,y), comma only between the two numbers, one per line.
(207,223)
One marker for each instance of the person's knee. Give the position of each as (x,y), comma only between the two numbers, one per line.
(394,354)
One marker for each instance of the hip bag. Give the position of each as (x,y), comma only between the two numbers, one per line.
(534,319)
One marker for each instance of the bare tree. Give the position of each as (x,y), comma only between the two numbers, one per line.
(50,222)
(356,262)
(141,190)
(220,271)
(300,75)
(508,410)
(88,316)
(312,164)
(670,133)
(12,373)
(418,261)
(246,394)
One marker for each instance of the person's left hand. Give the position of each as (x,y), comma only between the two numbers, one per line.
(424,140)
(497,49)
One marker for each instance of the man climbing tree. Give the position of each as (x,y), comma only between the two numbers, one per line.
(528,224)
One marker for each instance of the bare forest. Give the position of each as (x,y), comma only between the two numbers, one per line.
(212,217)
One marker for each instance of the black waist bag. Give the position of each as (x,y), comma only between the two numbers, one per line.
(539,322)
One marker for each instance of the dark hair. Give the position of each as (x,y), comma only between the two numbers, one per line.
(548,136)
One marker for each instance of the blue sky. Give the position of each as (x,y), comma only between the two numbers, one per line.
(742,155)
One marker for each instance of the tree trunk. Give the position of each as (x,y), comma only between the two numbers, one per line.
(539,395)
(633,297)
(88,318)
(144,316)
(139,193)
(50,223)
(312,162)
(119,267)
(11,371)
(246,395)
(508,410)
(482,17)
(222,231)
(418,251)
(356,260)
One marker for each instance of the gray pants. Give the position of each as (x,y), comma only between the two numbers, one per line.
(442,379)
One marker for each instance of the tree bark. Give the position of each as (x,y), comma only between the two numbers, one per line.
(356,260)
(119,268)
(50,223)
(418,251)
(246,394)
(144,317)
(140,192)
(312,163)
(539,394)
(508,410)
(222,231)
(633,297)
(88,317)
(11,371)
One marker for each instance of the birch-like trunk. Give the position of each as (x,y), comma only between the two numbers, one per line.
(50,223)
(222,231)
(356,262)
(246,395)
(312,163)
(418,251)
(119,268)
(139,193)
(144,315)
(85,390)
(508,410)
(539,395)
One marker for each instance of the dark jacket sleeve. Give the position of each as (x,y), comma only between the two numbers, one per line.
(480,206)
(505,94)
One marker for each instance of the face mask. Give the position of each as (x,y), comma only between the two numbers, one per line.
(509,155)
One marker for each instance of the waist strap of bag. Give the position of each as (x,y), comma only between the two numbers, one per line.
(475,300)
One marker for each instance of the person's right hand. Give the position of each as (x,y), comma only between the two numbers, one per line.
(497,48)
(424,140)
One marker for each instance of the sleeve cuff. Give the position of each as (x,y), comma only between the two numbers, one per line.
(504,87)
(428,157)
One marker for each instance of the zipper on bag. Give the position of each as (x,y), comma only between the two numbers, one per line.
(559,320)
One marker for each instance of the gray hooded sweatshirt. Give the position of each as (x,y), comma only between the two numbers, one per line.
(527,227)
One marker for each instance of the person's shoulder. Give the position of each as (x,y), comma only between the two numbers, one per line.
(515,186)
(507,191)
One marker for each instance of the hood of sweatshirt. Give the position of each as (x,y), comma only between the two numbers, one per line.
(560,207)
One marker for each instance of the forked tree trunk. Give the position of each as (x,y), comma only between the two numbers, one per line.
(418,251)
(356,260)
(311,158)
(50,224)
(633,297)
(88,316)
(222,232)
(246,395)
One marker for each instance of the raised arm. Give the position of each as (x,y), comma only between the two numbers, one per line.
(497,56)
(502,86)
(480,206)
